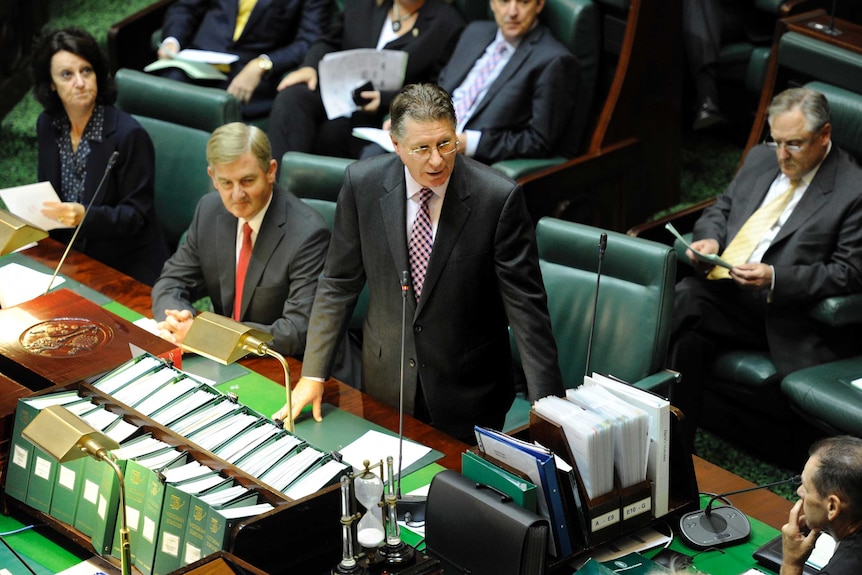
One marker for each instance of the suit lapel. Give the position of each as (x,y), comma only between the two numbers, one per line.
(226,250)
(269,237)
(393,208)
(814,198)
(462,67)
(512,66)
(258,12)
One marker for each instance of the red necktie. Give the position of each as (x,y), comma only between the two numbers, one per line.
(421,242)
(241,268)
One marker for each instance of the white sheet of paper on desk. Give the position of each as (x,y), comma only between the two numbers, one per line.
(207,56)
(19,284)
(339,73)
(376,446)
(26,203)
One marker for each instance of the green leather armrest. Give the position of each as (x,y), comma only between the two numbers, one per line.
(658,382)
(312,176)
(189,105)
(521,167)
(839,311)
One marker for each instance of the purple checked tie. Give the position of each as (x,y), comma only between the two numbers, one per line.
(464,99)
(421,241)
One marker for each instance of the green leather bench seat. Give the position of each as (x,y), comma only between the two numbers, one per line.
(825,395)
(822,61)
(181,174)
(189,105)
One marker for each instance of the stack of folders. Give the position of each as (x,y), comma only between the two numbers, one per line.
(658,460)
(85,493)
(540,466)
(630,429)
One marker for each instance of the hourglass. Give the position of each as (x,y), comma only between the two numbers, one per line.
(368,488)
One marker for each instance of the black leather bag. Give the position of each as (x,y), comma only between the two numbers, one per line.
(472,528)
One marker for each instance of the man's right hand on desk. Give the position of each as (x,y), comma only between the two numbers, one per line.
(307,391)
(176,325)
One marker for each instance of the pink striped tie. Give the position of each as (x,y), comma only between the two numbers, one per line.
(421,242)
(465,98)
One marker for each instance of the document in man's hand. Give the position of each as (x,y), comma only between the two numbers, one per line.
(707,258)
(342,72)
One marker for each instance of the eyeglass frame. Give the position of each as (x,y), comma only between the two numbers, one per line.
(795,148)
(420,151)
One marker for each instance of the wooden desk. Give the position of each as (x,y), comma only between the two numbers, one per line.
(136,296)
(762,505)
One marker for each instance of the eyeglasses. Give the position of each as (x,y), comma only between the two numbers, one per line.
(444,149)
(792,145)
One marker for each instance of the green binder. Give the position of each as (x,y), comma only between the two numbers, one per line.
(480,470)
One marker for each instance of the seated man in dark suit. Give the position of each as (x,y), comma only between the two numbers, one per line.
(253,248)
(790,224)
(270,37)
(513,85)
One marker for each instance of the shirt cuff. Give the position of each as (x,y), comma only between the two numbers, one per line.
(473,137)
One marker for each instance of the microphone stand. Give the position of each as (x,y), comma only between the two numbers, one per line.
(831,30)
(111,161)
(603,244)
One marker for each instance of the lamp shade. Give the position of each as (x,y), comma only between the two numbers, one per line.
(65,436)
(16,233)
(222,339)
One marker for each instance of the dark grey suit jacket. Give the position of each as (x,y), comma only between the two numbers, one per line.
(483,275)
(527,111)
(282,275)
(816,254)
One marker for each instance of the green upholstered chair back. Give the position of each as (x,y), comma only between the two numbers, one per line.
(846,107)
(181,174)
(312,176)
(189,105)
(634,304)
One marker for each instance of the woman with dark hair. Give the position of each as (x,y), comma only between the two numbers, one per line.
(77,134)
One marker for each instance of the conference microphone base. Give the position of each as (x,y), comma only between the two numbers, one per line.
(725,525)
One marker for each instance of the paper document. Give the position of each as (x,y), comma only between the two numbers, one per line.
(708,258)
(26,203)
(194,70)
(376,446)
(339,73)
(19,284)
(206,56)
(376,136)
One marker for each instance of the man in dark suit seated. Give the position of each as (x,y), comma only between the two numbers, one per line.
(270,37)
(513,86)
(253,248)
(830,501)
(463,231)
(790,224)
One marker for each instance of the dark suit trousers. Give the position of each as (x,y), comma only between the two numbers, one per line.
(298,123)
(707,316)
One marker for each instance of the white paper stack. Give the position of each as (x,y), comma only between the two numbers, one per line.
(630,425)
(590,437)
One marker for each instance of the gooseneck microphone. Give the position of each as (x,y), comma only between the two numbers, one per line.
(111,161)
(603,244)
(724,525)
(410,508)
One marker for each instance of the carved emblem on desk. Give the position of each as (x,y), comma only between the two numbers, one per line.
(65,337)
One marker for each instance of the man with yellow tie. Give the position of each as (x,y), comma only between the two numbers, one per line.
(269,36)
(790,225)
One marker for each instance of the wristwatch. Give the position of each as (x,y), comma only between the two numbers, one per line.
(264,63)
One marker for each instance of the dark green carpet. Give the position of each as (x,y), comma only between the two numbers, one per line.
(709,161)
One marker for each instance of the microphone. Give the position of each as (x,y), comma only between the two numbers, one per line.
(111,161)
(603,244)
(410,508)
(724,525)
